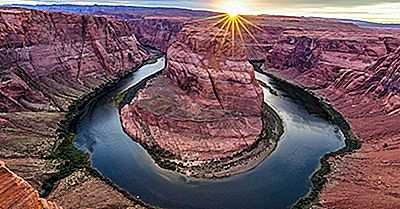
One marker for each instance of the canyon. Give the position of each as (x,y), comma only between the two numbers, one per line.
(355,69)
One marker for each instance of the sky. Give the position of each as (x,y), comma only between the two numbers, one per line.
(387,11)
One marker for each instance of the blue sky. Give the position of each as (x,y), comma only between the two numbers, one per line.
(387,11)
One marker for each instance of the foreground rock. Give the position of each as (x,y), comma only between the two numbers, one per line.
(206,106)
(48,61)
(17,193)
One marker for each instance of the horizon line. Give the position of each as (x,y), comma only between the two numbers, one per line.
(199,10)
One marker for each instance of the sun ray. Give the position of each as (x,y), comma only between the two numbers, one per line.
(218,22)
(226,33)
(250,23)
(233,35)
(232,25)
(239,32)
(209,18)
(220,29)
(248,32)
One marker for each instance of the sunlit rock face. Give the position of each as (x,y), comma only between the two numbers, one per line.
(17,193)
(206,105)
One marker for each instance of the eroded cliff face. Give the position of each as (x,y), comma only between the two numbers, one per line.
(48,61)
(206,105)
(384,81)
(17,193)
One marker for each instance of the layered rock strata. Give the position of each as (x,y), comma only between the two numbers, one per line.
(17,193)
(207,105)
(48,61)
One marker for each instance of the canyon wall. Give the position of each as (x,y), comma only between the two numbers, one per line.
(47,62)
(50,59)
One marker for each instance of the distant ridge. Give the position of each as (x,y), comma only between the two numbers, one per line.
(369,24)
(362,23)
(87,9)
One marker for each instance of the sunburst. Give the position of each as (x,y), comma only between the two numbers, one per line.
(232,25)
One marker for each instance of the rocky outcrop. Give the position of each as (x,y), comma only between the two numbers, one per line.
(17,193)
(47,62)
(206,106)
(385,81)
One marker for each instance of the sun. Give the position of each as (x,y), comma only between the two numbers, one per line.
(232,25)
(234,8)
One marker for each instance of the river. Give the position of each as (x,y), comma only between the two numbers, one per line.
(277,182)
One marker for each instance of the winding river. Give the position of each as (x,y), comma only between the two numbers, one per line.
(277,182)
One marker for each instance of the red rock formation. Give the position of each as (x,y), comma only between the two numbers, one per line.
(47,61)
(385,81)
(50,59)
(207,105)
(354,68)
(17,193)
(371,105)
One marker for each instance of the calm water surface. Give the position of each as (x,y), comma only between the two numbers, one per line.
(276,183)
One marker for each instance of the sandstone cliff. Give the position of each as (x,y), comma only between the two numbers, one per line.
(17,193)
(206,106)
(157,31)
(47,62)
(50,59)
